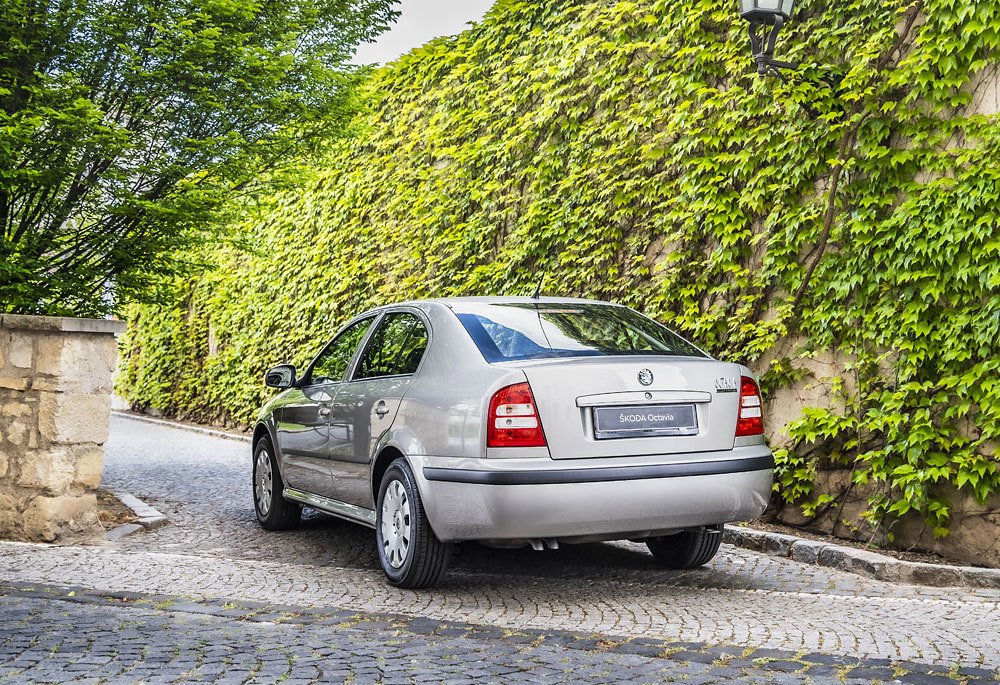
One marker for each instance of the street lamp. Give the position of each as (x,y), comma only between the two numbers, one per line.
(766,18)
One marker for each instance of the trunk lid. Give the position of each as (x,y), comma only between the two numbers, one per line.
(599,407)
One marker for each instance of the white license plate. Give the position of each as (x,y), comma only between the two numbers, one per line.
(645,421)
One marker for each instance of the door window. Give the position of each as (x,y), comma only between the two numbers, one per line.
(395,348)
(331,365)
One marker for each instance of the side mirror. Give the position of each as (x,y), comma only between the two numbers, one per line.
(281,377)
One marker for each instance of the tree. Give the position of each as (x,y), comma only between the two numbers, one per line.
(125,125)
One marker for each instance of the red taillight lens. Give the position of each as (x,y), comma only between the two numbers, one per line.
(513,420)
(751,417)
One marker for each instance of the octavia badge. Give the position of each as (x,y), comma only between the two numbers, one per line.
(727,384)
(646,377)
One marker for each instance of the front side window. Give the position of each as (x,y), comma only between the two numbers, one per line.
(517,331)
(395,348)
(331,365)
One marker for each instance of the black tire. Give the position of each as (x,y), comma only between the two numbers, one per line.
(688,549)
(274,512)
(422,559)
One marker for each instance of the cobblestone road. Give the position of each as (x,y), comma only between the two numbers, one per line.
(214,549)
(50,641)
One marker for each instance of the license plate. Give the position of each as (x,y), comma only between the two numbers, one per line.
(644,421)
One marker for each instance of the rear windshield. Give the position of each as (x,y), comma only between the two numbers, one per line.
(515,331)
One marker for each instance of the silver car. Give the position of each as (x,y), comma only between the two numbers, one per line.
(513,421)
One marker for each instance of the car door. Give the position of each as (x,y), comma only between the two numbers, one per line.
(303,429)
(364,407)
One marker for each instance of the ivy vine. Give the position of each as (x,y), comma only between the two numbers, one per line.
(628,151)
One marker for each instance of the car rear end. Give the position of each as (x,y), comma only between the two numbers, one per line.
(599,424)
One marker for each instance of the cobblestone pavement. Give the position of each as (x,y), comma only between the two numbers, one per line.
(214,549)
(48,640)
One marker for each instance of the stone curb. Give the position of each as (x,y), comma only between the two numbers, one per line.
(148,517)
(802,663)
(183,426)
(859,561)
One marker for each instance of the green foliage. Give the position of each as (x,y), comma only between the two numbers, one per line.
(125,126)
(628,151)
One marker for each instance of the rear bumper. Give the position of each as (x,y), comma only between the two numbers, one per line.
(479,499)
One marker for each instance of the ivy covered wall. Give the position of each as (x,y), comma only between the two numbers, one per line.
(629,151)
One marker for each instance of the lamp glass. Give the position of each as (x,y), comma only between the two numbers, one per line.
(766,10)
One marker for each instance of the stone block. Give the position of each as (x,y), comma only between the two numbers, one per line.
(52,470)
(4,464)
(89,466)
(9,516)
(72,418)
(18,349)
(17,407)
(19,383)
(860,561)
(78,363)
(806,551)
(937,575)
(758,540)
(46,518)
(18,432)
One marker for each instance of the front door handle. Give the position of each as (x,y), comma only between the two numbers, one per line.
(324,412)
(381,408)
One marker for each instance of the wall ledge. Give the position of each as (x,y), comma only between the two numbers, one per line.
(28,322)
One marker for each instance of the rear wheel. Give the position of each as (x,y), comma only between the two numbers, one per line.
(274,512)
(688,549)
(411,555)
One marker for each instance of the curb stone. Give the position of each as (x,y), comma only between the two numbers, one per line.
(849,669)
(182,426)
(859,561)
(148,517)
(819,553)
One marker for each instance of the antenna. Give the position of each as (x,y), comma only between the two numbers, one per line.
(538,288)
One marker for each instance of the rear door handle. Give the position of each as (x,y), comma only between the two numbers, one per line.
(381,408)
(324,412)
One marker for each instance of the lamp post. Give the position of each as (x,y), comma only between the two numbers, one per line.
(766,18)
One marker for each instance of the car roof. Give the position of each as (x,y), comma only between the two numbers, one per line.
(451,302)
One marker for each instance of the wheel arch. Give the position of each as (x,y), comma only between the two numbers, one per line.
(385,457)
(259,431)
(262,430)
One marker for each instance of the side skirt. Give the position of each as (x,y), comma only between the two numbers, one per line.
(333,507)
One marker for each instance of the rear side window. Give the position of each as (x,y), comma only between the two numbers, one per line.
(396,347)
(516,331)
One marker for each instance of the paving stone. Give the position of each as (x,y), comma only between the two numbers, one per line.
(927,679)
(872,673)
(214,548)
(975,672)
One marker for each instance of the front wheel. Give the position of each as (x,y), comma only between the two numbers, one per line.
(274,512)
(688,549)
(411,555)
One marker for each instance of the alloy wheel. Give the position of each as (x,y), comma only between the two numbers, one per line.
(396,524)
(264,482)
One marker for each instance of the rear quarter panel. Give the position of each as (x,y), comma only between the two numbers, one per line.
(442,412)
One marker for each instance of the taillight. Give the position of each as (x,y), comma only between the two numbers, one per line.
(513,420)
(751,418)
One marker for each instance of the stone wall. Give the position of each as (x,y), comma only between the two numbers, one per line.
(973,531)
(974,536)
(55,400)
